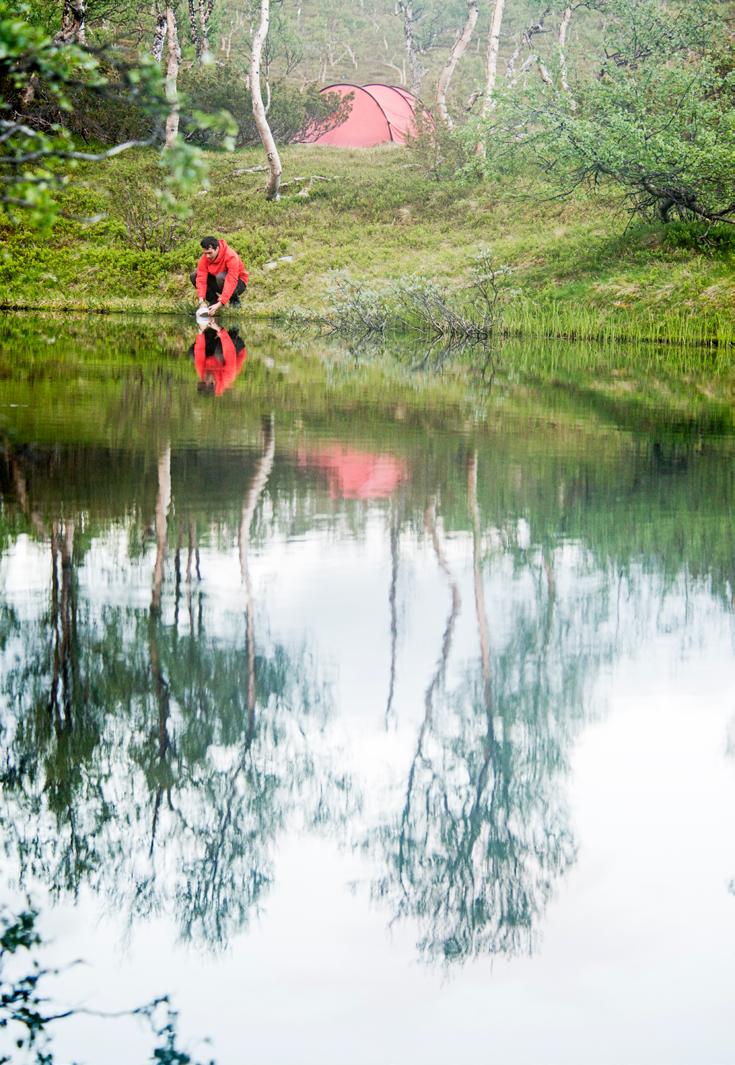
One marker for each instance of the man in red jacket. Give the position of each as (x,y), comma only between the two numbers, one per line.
(220,276)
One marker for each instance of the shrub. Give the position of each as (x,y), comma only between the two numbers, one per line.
(148,225)
(220,88)
(701,236)
(438,151)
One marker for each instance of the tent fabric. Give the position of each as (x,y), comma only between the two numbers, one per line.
(380,114)
(398,109)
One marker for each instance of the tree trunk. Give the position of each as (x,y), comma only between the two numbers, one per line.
(415,67)
(159,36)
(458,49)
(205,10)
(194,23)
(172,74)
(491,65)
(72,31)
(526,39)
(261,121)
(73,23)
(563,72)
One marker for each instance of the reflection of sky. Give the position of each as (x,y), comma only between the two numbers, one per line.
(636,962)
(636,955)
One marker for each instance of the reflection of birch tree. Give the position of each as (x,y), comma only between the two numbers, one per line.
(395,537)
(169,780)
(252,498)
(163,502)
(482,836)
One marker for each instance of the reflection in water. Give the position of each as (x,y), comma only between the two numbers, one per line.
(163,725)
(151,758)
(482,837)
(353,474)
(219,356)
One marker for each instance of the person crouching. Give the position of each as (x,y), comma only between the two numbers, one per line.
(220,277)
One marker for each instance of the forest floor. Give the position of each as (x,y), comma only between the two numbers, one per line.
(575,267)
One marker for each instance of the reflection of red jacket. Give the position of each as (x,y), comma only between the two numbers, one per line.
(227,261)
(224,373)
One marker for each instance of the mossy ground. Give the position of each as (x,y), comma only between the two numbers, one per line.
(578,267)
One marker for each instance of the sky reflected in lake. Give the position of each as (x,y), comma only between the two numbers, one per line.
(369,712)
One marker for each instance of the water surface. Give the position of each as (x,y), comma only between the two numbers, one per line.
(376,713)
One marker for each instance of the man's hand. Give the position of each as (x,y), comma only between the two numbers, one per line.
(214,307)
(202,308)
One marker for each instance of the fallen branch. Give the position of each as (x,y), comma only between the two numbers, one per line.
(250,170)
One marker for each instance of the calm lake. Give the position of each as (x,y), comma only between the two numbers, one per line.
(376,705)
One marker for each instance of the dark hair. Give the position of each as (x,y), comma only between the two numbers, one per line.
(209,242)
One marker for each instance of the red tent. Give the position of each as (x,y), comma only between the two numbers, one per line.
(379,114)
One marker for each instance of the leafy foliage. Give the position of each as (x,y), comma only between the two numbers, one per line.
(26,1012)
(38,151)
(655,115)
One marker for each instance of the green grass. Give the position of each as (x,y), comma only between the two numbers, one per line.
(577,268)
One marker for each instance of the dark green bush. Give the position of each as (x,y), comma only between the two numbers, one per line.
(221,88)
(701,236)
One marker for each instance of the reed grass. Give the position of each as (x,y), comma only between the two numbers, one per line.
(525,317)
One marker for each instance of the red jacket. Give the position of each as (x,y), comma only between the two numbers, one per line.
(223,373)
(227,261)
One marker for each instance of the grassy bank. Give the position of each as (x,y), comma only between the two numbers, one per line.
(577,269)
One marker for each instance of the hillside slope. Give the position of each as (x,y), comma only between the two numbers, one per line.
(575,266)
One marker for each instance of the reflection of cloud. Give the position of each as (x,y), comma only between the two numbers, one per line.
(355,474)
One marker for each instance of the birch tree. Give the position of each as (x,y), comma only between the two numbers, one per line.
(172,75)
(491,64)
(73,30)
(563,70)
(200,12)
(457,51)
(491,61)
(159,36)
(261,121)
(73,23)
(415,67)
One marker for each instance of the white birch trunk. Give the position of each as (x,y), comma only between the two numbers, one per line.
(261,120)
(172,75)
(415,67)
(204,12)
(491,63)
(194,18)
(458,49)
(159,36)
(480,607)
(563,71)
(73,23)
(526,39)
